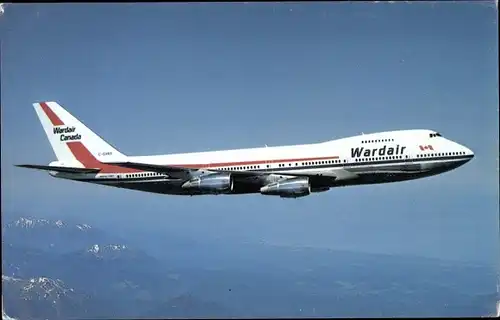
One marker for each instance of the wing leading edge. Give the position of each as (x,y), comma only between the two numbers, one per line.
(58,169)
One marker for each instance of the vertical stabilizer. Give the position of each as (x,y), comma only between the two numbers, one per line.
(73,143)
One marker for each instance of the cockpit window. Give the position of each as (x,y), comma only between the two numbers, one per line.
(436,134)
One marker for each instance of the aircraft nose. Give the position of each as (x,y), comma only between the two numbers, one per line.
(469,152)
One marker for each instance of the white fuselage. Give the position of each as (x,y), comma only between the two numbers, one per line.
(363,159)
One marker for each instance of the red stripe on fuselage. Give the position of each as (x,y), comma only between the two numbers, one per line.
(83,155)
(56,121)
(248,163)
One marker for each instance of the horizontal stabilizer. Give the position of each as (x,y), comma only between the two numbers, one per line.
(59,169)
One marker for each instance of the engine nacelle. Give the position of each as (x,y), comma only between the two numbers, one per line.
(214,183)
(288,188)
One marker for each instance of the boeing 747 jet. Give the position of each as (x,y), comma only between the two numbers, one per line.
(286,171)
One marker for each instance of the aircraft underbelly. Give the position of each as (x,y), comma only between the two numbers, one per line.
(361,176)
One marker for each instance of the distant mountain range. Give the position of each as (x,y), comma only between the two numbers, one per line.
(53,235)
(58,269)
(54,269)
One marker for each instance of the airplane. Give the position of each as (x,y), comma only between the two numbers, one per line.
(284,171)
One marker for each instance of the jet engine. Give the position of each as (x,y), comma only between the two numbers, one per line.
(214,183)
(288,188)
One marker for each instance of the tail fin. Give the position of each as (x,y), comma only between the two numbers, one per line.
(73,143)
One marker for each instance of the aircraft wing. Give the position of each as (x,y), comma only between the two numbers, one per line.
(180,172)
(171,171)
(185,173)
(58,169)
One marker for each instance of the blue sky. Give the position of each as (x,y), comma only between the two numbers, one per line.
(166,78)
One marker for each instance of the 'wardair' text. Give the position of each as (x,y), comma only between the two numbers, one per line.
(358,152)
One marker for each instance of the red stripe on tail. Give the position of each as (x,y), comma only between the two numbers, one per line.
(83,155)
(56,121)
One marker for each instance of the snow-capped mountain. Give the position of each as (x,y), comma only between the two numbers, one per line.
(52,234)
(26,298)
(32,223)
(28,223)
(116,251)
(40,288)
(111,247)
